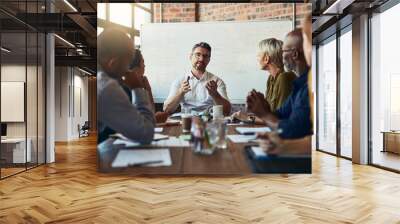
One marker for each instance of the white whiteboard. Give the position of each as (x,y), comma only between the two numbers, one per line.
(166,48)
(12,101)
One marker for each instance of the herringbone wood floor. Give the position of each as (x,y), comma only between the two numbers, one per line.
(71,191)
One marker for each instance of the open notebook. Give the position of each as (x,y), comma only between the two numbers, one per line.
(142,157)
(159,140)
(251,131)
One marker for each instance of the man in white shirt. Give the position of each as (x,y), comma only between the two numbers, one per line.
(199,90)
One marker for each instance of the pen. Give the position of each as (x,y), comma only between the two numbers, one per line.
(249,133)
(144,163)
(162,138)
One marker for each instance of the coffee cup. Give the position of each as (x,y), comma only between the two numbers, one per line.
(186,122)
(217,112)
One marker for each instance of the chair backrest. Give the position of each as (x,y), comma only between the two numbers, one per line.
(86,125)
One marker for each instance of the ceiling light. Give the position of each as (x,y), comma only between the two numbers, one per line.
(70,5)
(5,50)
(65,41)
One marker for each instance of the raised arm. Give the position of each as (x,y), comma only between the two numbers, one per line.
(217,91)
(176,94)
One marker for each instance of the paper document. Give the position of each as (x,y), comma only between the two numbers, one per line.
(233,124)
(169,122)
(159,141)
(241,138)
(258,152)
(127,143)
(142,157)
(158,137)
(118,136)
(176,115)
(246,130)
(171,142)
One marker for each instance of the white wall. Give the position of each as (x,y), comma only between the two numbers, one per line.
(33,127)
(71,93)
(16,73)
(61,103)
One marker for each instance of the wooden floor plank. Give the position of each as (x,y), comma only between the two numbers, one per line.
(72,191)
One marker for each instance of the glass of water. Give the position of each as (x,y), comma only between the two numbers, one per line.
(216,131)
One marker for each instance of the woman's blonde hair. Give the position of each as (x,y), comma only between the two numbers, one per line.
(273,48)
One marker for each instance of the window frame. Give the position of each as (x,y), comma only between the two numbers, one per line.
(333,37)
(379,10)
(132,31)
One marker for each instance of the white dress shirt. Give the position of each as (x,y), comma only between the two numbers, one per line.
(197,99)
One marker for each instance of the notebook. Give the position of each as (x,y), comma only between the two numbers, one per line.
(251,131)
(241,138)
(142,157)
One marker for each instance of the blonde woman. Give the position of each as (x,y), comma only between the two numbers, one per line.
(279,83)
(271,142)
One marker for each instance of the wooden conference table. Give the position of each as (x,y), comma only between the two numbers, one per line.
(230,161)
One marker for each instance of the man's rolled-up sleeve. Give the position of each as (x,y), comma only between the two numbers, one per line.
(176,84)
(222,89)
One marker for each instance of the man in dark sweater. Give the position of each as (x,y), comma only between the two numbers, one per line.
(116,113)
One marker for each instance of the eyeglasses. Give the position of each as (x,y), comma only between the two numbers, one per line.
(198,56)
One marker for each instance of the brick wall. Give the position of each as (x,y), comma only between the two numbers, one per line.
(186,12)
(174,12)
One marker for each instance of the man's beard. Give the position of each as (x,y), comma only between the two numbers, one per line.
(200,67)
(289,68)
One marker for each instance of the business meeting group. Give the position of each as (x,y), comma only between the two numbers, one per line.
(126,105)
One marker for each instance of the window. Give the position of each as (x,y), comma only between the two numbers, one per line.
(129,15)
(346,93)
(121,13)
(385,88)
(327,96)
(99,30)
(314,99)
(394,102)
(101,11)
(141,17)
(22,85)
(145,5)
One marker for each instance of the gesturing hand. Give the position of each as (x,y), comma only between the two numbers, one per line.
(185,87)
(161,117)
(270,142)
(146,83)
(257,104)
(212,88)
(242,116)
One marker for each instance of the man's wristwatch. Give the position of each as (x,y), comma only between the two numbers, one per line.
(252,119)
